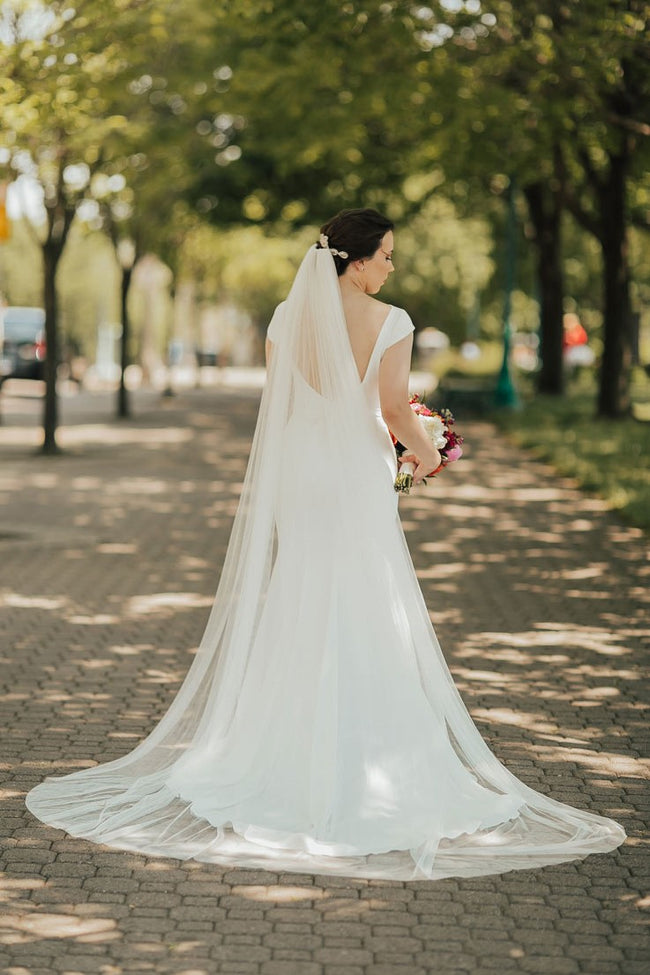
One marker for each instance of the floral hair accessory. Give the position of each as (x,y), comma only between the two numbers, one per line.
(323,241)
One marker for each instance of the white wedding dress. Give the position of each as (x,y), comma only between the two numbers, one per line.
(319,729)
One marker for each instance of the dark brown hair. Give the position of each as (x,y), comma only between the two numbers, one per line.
(357,232)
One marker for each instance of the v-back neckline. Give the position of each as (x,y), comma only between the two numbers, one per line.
(363,378)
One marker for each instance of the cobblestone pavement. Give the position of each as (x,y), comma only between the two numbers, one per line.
(109,557)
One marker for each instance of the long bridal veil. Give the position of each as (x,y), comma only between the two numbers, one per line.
(318,728)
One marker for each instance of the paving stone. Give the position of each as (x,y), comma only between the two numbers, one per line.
(400,919)
(233,926)
(291,954)
(419,907)
(435,961)
(31,965)
(246,911)
(194,913)
(549,966)
(26,868)
(155,900)
(400,969)
(602,967)
(394,957)
(285,926)
(343,942)
(599,953)
(345,970)
(302,915)
(240,939)
(247,953)
(290,968)
(343,956)
(284,940)
(498,964)
(586,926)
(377,943)
(30,855)
(253,878)
(112,884)
(80,963)
(389,931)
(106,897)
(147,912)
(205,888)
(240,967)
(338,883)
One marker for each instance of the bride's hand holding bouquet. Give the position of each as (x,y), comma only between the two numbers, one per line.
(416,469)
(443,446)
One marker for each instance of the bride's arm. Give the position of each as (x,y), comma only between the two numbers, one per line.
(400,418)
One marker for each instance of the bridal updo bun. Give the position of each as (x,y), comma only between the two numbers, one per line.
(356,232)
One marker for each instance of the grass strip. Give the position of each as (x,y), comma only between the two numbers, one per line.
(609,458)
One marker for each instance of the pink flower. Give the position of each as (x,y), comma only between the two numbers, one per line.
(454,453)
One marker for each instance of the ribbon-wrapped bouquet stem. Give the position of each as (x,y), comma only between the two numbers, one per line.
(437,425)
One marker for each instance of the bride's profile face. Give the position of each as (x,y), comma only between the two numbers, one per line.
(380,265)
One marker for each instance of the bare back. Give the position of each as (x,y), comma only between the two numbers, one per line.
(364,317)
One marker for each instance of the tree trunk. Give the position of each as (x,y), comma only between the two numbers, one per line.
(51,254)
(123,404)
(614,398)
(545,208)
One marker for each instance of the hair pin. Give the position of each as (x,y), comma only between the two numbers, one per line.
(323,240)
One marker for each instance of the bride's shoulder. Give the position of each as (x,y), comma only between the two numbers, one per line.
(397,315)
(393,322)
(386,309)
(398,325)
(396,309)
(379,312)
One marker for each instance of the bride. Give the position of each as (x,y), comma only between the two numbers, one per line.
(319,729)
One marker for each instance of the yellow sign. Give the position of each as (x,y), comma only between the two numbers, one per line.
(5,225)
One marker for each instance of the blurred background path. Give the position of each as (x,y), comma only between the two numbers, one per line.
(109,559)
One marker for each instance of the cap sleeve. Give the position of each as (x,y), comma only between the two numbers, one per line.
(398,327)
(274,330)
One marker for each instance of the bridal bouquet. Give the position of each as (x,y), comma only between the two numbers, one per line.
(437,426)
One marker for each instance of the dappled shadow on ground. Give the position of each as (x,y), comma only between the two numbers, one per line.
(110,557)
(77,908)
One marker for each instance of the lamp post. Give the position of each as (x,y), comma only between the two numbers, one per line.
(505,394)
(126,255)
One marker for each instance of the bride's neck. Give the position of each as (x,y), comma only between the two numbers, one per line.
(351,285)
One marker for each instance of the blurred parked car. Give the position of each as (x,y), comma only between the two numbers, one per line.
(22,343)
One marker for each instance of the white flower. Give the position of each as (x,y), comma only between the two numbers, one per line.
(435,430)
(323,240)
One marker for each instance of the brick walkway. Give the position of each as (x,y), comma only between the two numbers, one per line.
(108,562)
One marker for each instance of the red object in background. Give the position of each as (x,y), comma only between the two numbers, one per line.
(574,333)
